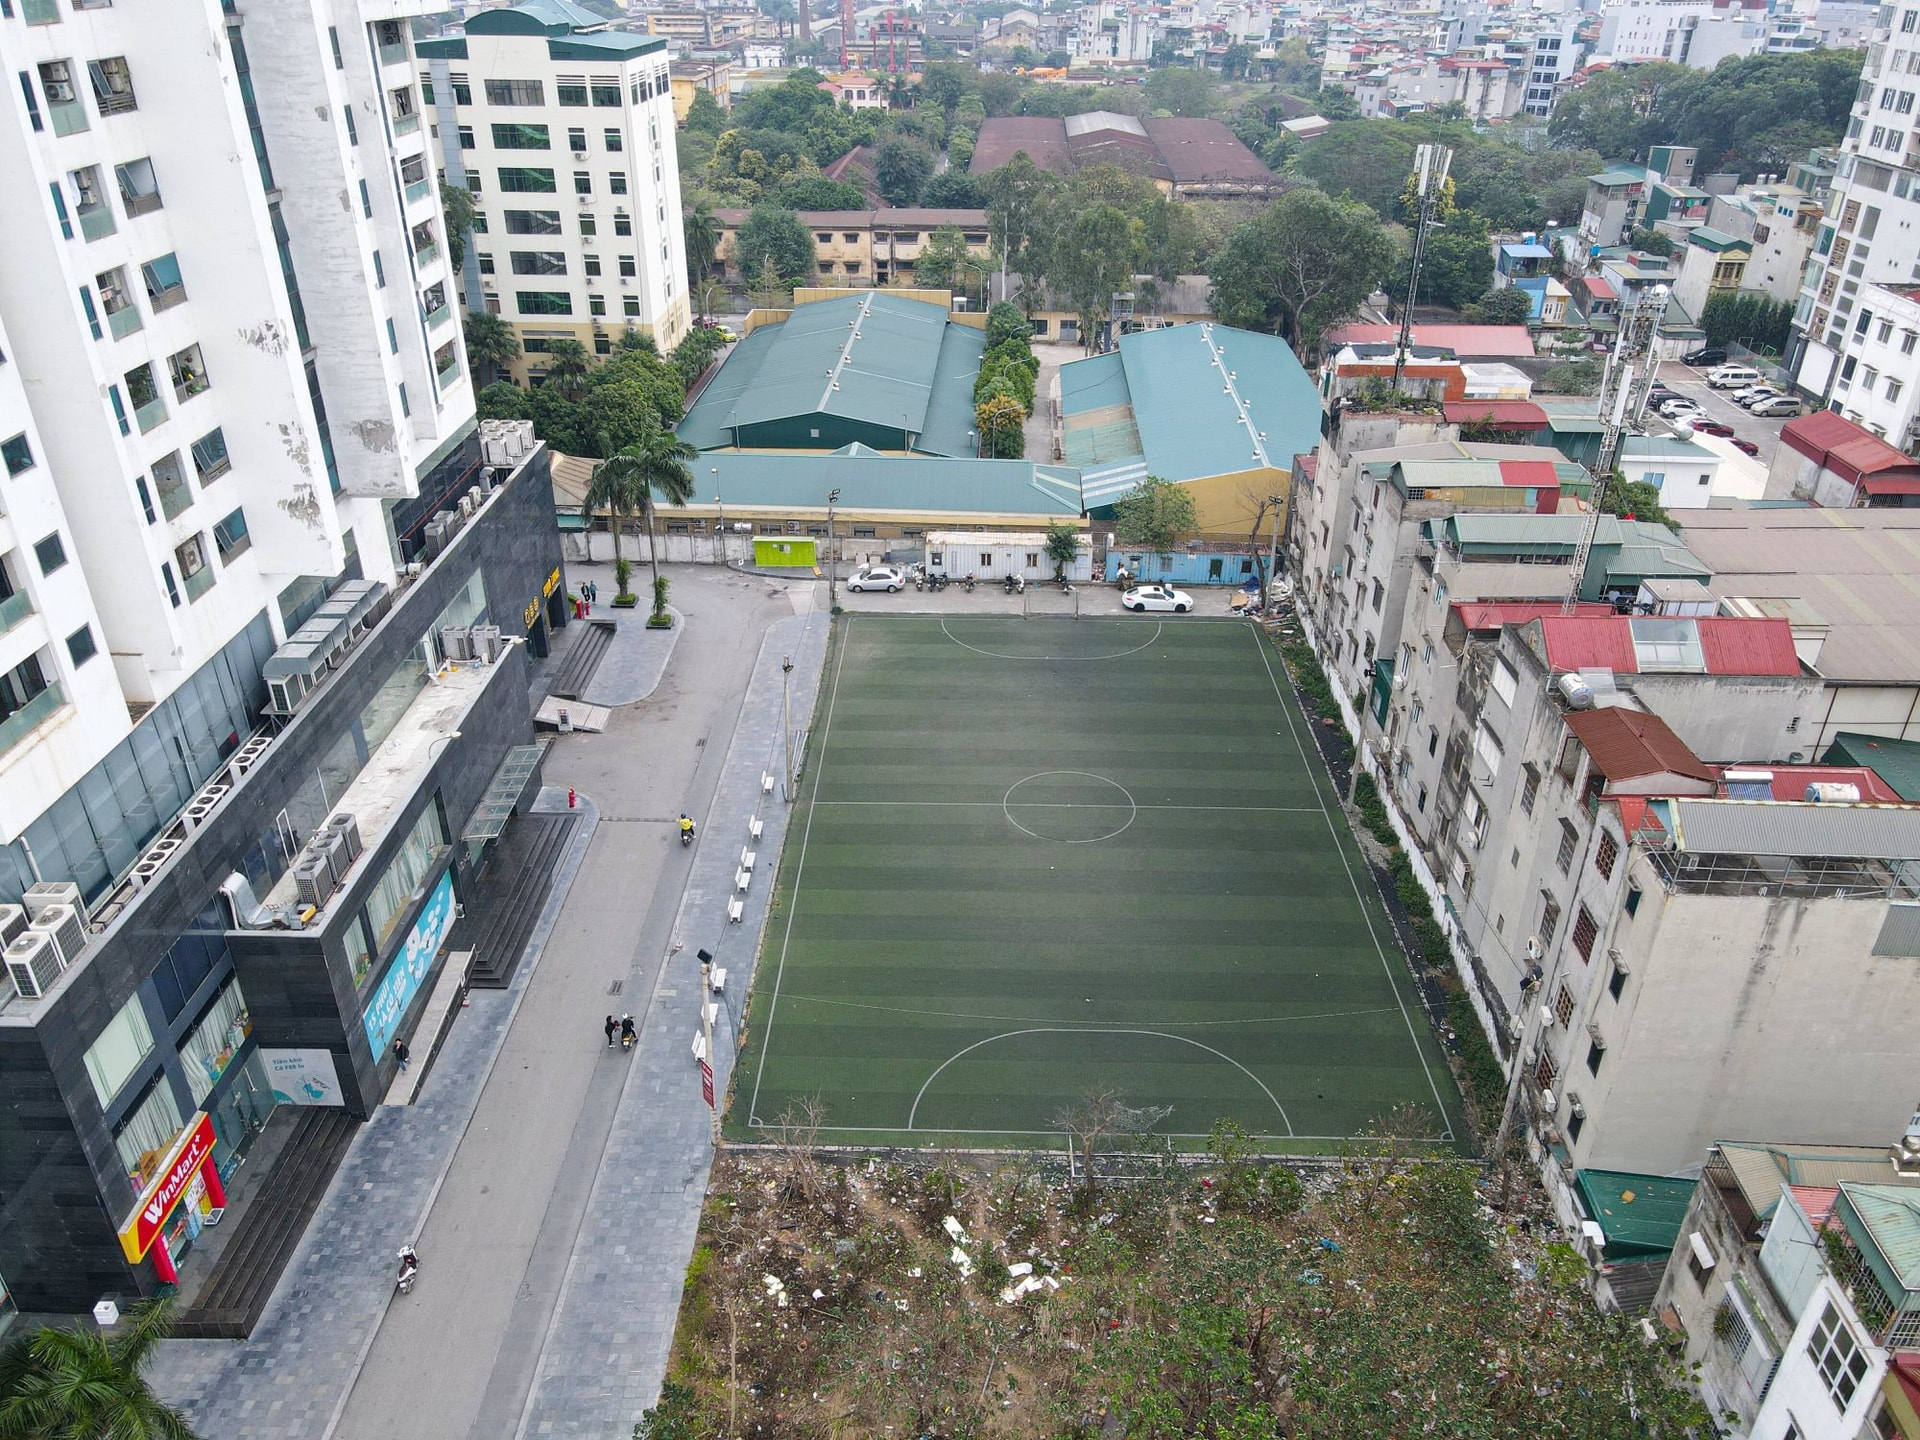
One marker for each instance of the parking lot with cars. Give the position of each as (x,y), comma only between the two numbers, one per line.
(1690,383)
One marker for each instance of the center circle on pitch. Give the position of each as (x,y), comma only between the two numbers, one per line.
(1074,807)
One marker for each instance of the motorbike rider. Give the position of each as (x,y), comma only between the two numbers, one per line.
(686,827)
(627,1035)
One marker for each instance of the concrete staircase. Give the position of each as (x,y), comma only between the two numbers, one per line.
(508,895)
(581,660)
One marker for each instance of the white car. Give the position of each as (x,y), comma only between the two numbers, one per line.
(1157,597)
(1746,395)
(1733,377)
(1674,409)
(890,578)
(1762,397)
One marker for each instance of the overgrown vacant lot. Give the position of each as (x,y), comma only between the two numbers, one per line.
(1374,1296)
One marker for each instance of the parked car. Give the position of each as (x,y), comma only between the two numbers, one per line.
(1763,397)
(1661,392)
(1675,409)
(890,578)
(1781,407)
(1733,377)
(1712,427)
(1157,597)
(1745,445)
(1707,355)
(1747,394)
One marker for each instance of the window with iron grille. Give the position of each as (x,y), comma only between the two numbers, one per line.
(1563,1006)
(1544,1073)
(1605,855)
(1569,839)
(1585,932)
(1530,791)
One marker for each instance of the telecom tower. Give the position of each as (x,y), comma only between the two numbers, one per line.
(1430,166)
(1623,395)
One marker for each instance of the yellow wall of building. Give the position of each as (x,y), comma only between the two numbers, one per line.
(1226,504)
(588,331)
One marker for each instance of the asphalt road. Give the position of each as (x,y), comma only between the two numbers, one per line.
(1692,383)
(456,1361)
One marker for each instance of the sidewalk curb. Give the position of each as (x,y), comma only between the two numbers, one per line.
(557,893)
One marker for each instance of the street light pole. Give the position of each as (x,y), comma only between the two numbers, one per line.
(1273,551)
(720,534)
(707,1079)
(833,570)
(786,724)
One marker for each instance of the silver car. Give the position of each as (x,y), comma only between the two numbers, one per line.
(890,578)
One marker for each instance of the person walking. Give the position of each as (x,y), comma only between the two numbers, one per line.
(613,1029)
(401,1053)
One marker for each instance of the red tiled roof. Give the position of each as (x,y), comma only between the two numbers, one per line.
(1817,1200)
(1835,443)
(1469,342)
(1492,614)
(1893,484)
(1729,645)
(1631,745)
(1600,288)
(1507,414)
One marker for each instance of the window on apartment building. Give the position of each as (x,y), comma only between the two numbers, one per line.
(629,266)
(533,222)
(117,1054)
(187,370)
(596,304)
(1605,854)
(393,338)
(1893,388)
(521,137)
(230,536)
(1832,1347)
(366,201)
(1545,1073)
(1617,980)
(1529,787)
(379,272)
(406,406)
(583,182)
(466,137)
(538,262)
(525,180)
(606,93)
(161,276)
(353,131)
(543,302)
(210,460)
(19,454)
(617,181)
(173,590)
(1585,932)
(112,85)
(571,92)
(1563,1006)
(623,225)
(1596,1052)
(1569,840)
(1549,920)
(485,262)
(613,139)
(50,552)
(333,39)
(139,189)
(515,92)
(81,647)
(588,227)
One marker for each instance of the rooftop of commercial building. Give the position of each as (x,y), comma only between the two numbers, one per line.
(1708,826)
(1851,451)
(572,33)
(1180,151)
(1850,570)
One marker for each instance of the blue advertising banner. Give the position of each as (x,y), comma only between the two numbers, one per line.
(410,968)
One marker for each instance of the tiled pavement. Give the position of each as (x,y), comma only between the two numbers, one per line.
(290,1380)
(606,1350)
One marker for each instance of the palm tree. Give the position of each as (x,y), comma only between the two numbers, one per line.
(703,243)
(567,367)
(86,1383)
(615,488)
(491,344)
(657,462)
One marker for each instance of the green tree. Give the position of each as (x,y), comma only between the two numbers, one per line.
(1364,160)
(503,400)
(901,166)
(456,211)
(1005,322)
(614,489)
(1155,515)
(816,192)
(82,1384)
(938,266)
(1505,306)
(1063,545)
(1191,93)
(775,237)
(1302,265)
(1622,111)
(1236,61)
(556,420)
(943,85)
(1458,265)
(952,189)
(1017,196)
(1090,259)
(662,474)
(1002,428)
(701,233)
(1654,242)
(567,365)
(704,115)
(492,345)
(1294,67)
(1635,500)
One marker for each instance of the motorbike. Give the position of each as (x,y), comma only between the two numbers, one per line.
(969,582)
(1013,584)
(409,1268)
(627,1033)
(686,836)
(1066,586)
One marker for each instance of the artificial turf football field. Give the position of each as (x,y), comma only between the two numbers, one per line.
(1037,856)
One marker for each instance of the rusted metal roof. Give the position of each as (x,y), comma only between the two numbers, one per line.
(1631,745)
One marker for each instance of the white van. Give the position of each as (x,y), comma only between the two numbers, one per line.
(1733,377)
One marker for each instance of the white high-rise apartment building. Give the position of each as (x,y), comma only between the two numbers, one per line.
(1699,33)
(1871,233)
(229,340)
(563,131)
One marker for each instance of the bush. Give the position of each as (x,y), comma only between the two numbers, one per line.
(1373,810)
(1486,1083)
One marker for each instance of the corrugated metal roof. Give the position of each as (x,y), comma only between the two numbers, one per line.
(1891,1215)
(1641,1214)
(1792,828)
(1539,474)
(1595,642)
(1897,762)
(1631,744)
(907,485)
(1492,614)
(1739,646)
(1507,414)
(1847,449)
(1762,1170)
(1467,342)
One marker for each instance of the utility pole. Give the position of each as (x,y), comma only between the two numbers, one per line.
(707,1083)
(786,724)
(833,570)
(1430,165)
(1273,552)
(1623,395)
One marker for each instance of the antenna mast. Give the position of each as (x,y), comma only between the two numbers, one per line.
(1430,165)
(1623,395)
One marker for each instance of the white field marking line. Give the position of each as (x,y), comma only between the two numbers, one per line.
(1359,899)
(914,1109)
(1088,1024)
(1133,810)
(799,869)
(1081,805)
(1445,1137)
(1000,655)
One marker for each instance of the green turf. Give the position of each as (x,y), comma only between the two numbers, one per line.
(1034,856)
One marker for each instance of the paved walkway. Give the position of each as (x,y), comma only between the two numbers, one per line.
(292,1377)
(605,1356)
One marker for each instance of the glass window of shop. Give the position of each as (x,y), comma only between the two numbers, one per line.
(359,950)
(406,875)
(212,1044)
(240,1110)
(190,959)
(144,1136)
(112,1059)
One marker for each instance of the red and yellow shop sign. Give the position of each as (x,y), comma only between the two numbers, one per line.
(170,1183)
